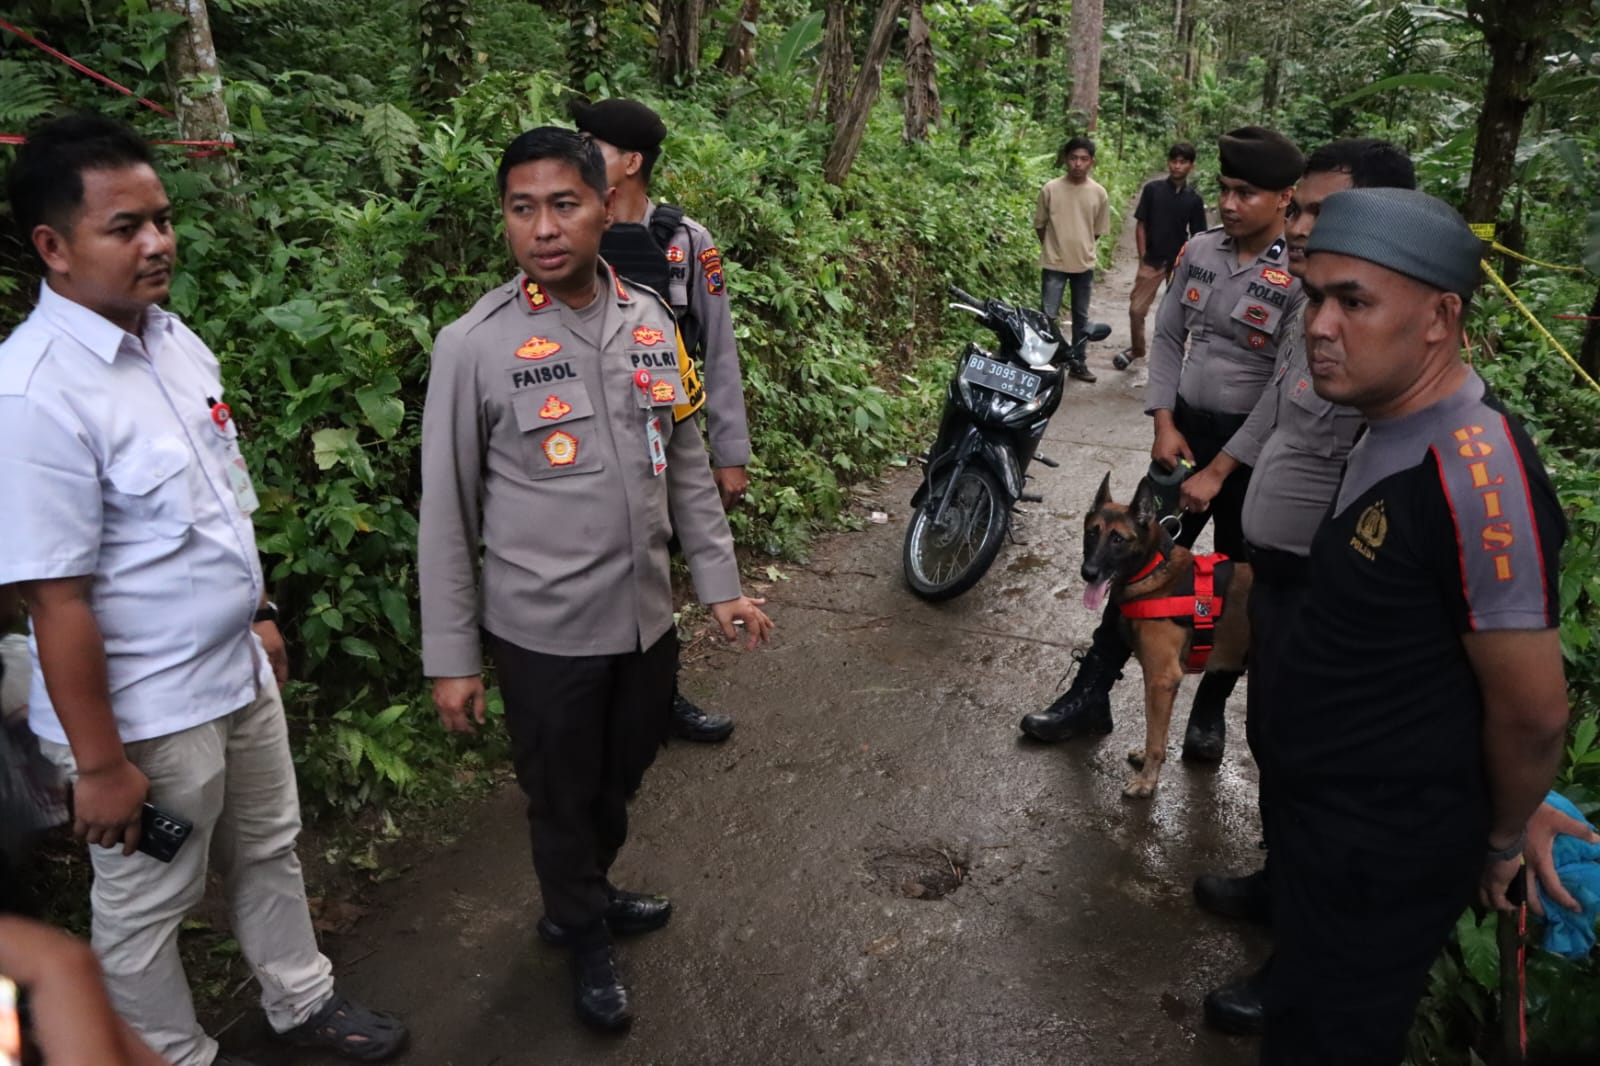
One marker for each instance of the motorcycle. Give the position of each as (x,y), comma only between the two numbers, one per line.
(995,411)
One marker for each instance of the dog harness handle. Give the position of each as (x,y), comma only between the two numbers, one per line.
(1200,610)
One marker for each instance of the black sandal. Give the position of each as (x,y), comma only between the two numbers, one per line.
(349,1029)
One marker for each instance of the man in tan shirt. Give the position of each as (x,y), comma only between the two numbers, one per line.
(1073,213)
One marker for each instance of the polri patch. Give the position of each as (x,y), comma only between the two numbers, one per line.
(663,392)
(1256,313)
(561,448)
(1192,296)
(555,407)
(537,300)
(675,254)
(538,348)
(711,264)
(648,336)
(1276,277)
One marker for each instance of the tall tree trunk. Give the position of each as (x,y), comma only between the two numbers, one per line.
(1191,64)
(678,40)
(1044,25)
(1516,32)
(444,29)
(1084,31)
(197,87)
(852,125)
(741,50)
(838,60)
(922,85)
(1177,19)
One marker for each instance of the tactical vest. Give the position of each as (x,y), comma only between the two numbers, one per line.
(639,253)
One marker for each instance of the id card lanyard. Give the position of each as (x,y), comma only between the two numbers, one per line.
(654,441)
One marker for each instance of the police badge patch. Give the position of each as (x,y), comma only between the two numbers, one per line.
(561,448)
(711,263)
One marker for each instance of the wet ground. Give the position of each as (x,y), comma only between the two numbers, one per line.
(875,869)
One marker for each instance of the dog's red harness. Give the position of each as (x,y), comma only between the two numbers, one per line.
(1201,609)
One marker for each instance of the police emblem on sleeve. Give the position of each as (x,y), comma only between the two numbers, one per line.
(711,264)
(561,448)
(1372,529)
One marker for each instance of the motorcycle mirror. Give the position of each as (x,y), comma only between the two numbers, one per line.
(1099,331)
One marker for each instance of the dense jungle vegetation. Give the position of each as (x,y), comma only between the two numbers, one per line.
(852,159)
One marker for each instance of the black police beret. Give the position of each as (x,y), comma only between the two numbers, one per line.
(1265,158)
(627,124)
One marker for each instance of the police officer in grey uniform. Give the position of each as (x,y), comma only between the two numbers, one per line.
(1230,296)
(559,435)
(657,245)
(1304,441)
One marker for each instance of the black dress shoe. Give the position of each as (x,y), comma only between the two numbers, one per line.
(597,990)
(627,914)
(1246,898)
(1081,372)
(1083,710)
(691,723)
(1236,1006)
(1205,741)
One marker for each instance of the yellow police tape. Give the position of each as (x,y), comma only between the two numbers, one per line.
(1503,250)
(1520,306)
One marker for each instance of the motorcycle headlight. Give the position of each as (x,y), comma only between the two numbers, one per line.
(1036,350)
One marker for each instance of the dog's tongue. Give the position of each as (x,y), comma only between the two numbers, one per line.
(1094,596)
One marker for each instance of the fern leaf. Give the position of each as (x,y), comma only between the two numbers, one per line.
(392,136)
(24,96)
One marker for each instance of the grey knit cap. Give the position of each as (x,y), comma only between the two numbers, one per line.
(1403,230)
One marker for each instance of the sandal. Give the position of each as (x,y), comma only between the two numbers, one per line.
(346,1027)
(1123,359)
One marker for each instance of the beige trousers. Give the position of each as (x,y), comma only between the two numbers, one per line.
(1145,283)
(234,779)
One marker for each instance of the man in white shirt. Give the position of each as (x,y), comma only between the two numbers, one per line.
(156,656)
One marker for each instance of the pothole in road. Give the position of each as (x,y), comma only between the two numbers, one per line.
(926,873)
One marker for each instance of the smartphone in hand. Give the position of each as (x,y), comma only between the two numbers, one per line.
(162,834)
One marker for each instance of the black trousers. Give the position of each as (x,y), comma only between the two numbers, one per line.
(1206,435)
(583,732)
(1275,595)
(1356,931)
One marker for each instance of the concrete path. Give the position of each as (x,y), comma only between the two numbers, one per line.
(875,869)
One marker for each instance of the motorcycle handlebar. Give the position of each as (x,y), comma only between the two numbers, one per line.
(965,297)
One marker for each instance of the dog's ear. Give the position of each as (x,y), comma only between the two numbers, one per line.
(1146,506)
(1103,497)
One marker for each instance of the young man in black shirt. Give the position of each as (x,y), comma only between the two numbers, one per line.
(1169,213)
(1420,706)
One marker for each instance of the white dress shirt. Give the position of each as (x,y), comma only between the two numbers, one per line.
(115,462)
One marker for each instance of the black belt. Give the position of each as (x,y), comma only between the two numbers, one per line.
(1279,567)
(1208,422)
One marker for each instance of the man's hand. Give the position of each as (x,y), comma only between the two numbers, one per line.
(1170,446)
(107,802)
(1497,878)
(459,701)
(277,651)
(72,1016)
(746,610)
(1200,488)
(1546,824)
(732,483)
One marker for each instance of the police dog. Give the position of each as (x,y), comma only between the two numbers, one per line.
(1128,557)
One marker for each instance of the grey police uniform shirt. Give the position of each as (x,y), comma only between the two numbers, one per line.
(536,445)
(1232,314)
(696,281)
(1306,439)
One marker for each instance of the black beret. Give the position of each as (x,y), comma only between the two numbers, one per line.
(627,124)
(1265,158)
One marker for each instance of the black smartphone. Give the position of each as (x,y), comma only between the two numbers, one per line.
(162,834)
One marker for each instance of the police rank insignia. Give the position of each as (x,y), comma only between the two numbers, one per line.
(561,448)
(1372,529)
(1276,277)
(538,347)
(537,300)
(675,254)
(711,263)
(555,407)
(1256,313)
(648,336)
(663,392)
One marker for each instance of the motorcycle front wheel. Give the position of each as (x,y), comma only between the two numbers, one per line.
(946,559)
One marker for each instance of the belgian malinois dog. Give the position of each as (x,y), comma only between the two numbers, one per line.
(1130,557)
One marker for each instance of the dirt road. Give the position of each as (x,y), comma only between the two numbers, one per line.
(875,869)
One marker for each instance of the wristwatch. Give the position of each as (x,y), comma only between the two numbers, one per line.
(268,613)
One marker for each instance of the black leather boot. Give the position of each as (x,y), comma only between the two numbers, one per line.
(1207,733)
(1084,709)
(598,993)
(691,723)
(1080,371)
(627,914)
(1246,898)
(1236,1006)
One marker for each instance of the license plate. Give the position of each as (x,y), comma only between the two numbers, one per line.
(1001,377)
